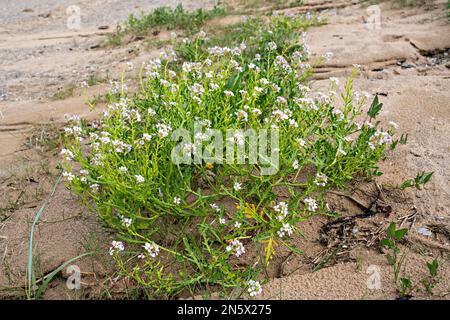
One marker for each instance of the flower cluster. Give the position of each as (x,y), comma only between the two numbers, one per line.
(236,247)
(152,249)
(254,288)
(116,247)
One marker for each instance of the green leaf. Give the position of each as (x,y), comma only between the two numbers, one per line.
(390,259)
(386,243)
(399,234)
(391,230)
(407,184)
(406,284)
(375,108)
(433,267)
(426,177)
(404,139)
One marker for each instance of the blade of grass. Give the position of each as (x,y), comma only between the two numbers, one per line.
(50,276)
(30,243)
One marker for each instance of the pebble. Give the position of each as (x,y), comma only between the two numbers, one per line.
(424,231)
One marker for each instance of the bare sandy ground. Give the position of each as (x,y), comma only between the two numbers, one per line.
(406,61)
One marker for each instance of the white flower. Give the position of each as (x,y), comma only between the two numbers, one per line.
(94,187)
(176,200)
(281,100)
(295,165)
(275,87)
(281,61)
(348,139)
(282,208)
(312,204)
(222,221)
(301,142)
(237,247)
(139,178)
(254,288)
(339,114)
(215,207)
(258,89)
(380,138)
(197,99)
(228,93)
(272,46)
(256,111)
(163,130)
(197,89)
(202,34)
(234,63)
(321,179)
(152,249)
(264,81)
(189,148)
(236,51)
(68,155)
(241,114)
(126,222)
(116,246)
(286,228)
(68,175)
(237,224)
(172,73)
(120,146)
(123,169)
(334,81)
(237,186)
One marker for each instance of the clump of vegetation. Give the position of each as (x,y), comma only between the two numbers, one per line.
(64,93)
(400,3)
(186,171)
(164,17)
(396,259)
(250,5)
(256,32)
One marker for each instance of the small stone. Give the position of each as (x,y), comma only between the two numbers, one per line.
(424,231)
(406,65)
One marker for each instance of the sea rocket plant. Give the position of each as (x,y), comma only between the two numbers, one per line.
(123,164)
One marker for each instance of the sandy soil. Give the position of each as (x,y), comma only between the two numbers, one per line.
(406,61)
